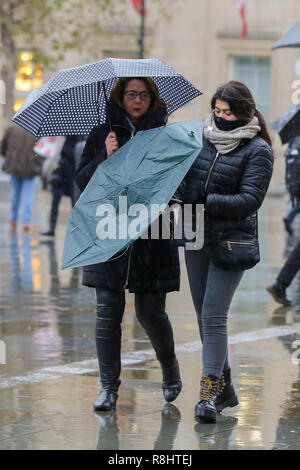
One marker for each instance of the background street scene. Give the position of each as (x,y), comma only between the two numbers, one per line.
(50,378)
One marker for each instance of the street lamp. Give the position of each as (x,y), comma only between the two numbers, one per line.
(141,40)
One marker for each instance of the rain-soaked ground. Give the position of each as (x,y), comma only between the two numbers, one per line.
(50,377)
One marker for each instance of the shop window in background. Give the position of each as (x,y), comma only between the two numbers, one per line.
(29,76)
(255,72)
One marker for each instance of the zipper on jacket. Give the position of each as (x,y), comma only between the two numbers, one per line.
(128,268)
(210,170)
(230,242)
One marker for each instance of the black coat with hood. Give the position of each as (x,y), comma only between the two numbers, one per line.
(148,265)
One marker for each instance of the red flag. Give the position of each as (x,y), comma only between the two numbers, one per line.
(241,7)
(138,5)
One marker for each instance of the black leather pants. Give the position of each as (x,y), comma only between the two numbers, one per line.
(150,310)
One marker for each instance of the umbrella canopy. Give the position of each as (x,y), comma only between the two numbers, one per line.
(288,125)
(290,39)
(131,189)
(74,100)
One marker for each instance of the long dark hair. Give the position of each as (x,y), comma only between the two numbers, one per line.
(242,105)
(117,93)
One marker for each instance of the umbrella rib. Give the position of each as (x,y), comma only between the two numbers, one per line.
(153,184)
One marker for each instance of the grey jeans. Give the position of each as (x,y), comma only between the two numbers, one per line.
(212,291)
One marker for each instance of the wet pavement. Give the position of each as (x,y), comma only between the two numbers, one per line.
(50,376)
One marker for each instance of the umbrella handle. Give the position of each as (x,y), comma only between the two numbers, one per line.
(106,101)
(117,257)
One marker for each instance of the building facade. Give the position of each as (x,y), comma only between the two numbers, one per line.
(202,40)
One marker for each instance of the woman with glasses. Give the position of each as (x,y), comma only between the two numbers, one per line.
(149,268)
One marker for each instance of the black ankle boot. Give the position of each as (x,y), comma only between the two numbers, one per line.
(106,400)
(205,409)
(227,396)
(277,290)
(171,384)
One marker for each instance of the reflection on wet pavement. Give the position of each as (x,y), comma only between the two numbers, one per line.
(50,379)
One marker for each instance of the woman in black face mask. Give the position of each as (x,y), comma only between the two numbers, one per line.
(230,177)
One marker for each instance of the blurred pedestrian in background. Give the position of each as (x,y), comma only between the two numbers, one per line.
(292,264)
(23,165)
(230,177)
(62,182)
(292,180)
(149,268)
(285,277)
(81,141)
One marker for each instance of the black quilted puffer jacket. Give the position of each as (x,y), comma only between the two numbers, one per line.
(237,185)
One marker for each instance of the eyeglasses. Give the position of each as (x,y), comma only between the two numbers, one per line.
(131,95)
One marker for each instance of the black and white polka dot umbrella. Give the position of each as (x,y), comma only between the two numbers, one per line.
(73,101)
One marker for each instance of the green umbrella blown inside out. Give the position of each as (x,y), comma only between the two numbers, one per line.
(129,191)
(289,39)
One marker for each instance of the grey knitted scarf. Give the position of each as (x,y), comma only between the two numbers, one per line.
(226,141)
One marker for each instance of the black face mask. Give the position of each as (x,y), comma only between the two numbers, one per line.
(225,125)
